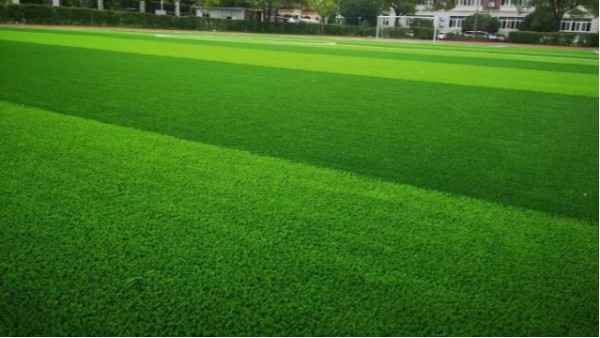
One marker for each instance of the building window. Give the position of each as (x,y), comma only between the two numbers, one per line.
(425,2)
(570,25)
(510,22)
(469,2)
(456,21)
(514,2)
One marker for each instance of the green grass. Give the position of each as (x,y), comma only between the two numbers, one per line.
(189,186)
(122,232)
(516,147)
(498,56)
(409,69)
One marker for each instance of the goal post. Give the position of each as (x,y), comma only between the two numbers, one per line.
(407,26)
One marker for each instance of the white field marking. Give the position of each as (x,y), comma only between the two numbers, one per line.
(274,41)
(288,41)
(391,49)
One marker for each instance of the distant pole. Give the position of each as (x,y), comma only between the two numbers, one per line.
(476,17)
(435,27)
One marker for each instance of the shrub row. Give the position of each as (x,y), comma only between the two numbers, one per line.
(50,15)
(425,33)
(120,5)
(555,38)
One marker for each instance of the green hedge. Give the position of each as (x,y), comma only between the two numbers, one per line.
(50,15)
(425,33)
(555,38)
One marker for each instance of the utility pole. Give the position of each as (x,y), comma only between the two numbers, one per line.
(476,17)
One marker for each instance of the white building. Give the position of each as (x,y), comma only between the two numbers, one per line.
(231,13)
(297,15)
(509,12)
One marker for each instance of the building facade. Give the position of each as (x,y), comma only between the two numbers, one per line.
(231,13)
(510,13)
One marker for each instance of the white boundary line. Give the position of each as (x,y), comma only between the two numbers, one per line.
(266,41)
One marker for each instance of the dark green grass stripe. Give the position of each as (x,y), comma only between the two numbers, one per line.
(527,149)
(442,57)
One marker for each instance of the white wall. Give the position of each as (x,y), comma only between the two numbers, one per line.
(235,13)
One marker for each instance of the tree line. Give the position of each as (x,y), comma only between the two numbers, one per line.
(545,17)
(546,14)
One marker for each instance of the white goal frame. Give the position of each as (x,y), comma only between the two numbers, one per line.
(382,18)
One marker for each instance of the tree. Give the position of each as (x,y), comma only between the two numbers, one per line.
(559,8)
(401,7)
(323,7)
(422,28)
(485,22)
(113,4)
(540,20)
(359,11)
(79,3)
(228,3)
(207,4)
(445,5)
(268,7)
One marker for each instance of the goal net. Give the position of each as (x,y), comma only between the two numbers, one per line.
(407,27)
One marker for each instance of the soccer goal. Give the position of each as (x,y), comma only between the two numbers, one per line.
(407,27)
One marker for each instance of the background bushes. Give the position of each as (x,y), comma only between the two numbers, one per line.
(50,15)
(425,33)
(555,38)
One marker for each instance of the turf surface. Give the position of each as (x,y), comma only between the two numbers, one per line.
(537,80)
(293,202)
(521,148)
(122,232)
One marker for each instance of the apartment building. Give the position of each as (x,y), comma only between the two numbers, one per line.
(510,13)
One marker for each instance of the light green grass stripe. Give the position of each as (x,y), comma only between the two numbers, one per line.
(549,82)
(515,52)
(109,231)
(394,47)
(491,51)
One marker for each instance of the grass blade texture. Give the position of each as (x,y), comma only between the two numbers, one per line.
(149,194)
(529,149)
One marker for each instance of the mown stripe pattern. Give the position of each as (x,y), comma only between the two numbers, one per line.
(231,199)
(111,231)
(521,148)
(545,81)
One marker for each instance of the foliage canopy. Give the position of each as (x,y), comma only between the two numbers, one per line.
(481,22)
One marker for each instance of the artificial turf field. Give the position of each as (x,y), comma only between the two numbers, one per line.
(162,183)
